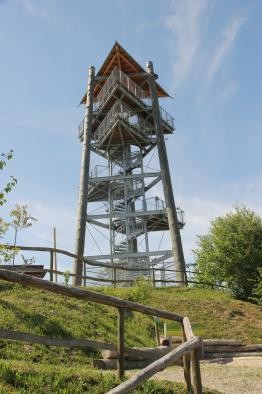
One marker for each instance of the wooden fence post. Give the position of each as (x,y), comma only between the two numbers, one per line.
(51,266)
(195,358)
(156,324)
(154,277)
(84,274)
(114,277)
(121,343)
(186,364)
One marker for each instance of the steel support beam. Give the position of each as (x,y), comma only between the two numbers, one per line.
(84,175)
(176,242)
(123,215)
(123,177)
(130,255)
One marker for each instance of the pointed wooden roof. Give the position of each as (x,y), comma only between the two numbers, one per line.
(119,57)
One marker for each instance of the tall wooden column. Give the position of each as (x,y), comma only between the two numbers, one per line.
(176,242)
(84,176)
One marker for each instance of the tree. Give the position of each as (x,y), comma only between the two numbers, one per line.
(231,252)
(21,219)
(5,254)
(12,182)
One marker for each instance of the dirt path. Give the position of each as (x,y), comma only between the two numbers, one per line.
(241,375)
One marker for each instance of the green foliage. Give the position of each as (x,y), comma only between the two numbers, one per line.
(141,290)
(231,253)
(257,291)
(66,276)
(5,254)
(4,157)
(21,219)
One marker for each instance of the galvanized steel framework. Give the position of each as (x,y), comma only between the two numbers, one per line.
(123,122)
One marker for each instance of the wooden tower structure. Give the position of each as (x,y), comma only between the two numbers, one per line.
(123,123)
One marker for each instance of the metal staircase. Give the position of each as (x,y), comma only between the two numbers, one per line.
(123,133)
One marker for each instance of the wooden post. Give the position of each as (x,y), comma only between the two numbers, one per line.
(84,177)
(85,274)
(176,242)
(55,256)
(186,365)
(195,358)
(153,277)
(156,321)
(165,330)
(114,277)
(121,343)
(51,266)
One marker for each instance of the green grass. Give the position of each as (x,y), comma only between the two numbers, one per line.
(16,377)
(175,329)
(213,313)
(26,368)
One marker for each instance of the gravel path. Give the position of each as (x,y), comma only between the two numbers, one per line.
(240,375)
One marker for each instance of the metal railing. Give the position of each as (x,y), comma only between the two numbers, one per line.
(156,204)
(99,171)
(117,76)
(167,118)
(120,111)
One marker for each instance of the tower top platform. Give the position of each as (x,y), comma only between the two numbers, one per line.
(120,58)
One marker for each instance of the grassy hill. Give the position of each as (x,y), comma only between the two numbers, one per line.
(26,368)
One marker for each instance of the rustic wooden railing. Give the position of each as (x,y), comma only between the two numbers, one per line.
(115,268)
(190,350)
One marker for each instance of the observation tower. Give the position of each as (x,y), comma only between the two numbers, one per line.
(123,125)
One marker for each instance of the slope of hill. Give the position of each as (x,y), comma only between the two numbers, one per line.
(23,367)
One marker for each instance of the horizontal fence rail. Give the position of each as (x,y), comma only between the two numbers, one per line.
(190,350)
(111,269)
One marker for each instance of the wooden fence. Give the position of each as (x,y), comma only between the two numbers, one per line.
(191,349)
(114,280)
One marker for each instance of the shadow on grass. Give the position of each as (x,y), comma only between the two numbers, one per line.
(45,325)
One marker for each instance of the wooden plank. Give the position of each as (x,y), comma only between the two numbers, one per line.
(155,367)
(133,353)
(223,342)
(209,342)
(209,356)
(121,343)
(86,295)
(30,338)
(187,328)
(40,249)
(186,365)
(51,266)
(223,349)
(232,349)
(111,363)
(196,374)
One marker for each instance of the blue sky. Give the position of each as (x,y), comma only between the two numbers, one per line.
(208,56)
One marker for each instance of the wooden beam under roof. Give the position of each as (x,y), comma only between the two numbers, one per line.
(119,57)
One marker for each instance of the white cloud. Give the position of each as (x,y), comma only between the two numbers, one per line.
(229,37)
(186,25)
(199,212)
(30,7)
(229,90)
